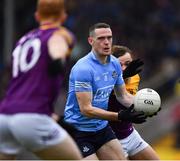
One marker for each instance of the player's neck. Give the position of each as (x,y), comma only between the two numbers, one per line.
(102,58)
(49,24)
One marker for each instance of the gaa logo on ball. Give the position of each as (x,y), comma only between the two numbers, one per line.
(147,100)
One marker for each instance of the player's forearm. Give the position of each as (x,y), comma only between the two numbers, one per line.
(126,99)
(94,112)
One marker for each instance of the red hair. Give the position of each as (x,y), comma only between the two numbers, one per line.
(50,8)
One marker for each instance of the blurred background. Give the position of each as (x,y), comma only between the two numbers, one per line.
(151,28)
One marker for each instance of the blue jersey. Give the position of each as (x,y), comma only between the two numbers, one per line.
(89,75)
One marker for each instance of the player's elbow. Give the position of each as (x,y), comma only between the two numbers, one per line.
(88,112)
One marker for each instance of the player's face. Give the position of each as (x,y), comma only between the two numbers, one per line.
(125,60)
(102,41)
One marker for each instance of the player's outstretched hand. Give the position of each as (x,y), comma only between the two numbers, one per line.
(133,68)
(155,113)
(130,115)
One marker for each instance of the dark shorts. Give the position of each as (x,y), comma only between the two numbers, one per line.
(90,142)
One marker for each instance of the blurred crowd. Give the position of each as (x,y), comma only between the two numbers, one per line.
(151,28)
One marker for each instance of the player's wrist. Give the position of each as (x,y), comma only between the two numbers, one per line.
(117,116)
(121,115)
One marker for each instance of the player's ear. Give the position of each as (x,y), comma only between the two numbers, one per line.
(63,17)
(37,17)
(90,40)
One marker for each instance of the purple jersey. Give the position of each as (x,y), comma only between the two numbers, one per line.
(121,129)
(31,89)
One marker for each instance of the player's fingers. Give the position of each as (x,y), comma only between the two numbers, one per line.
(139,121)
(138,64)
(143,117)
(150,115)
(139,113)
(131,108)
(136,60)
(155,113)
(140,117)
(138,71)
(159,109)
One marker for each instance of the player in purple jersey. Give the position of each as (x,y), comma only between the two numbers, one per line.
(133,145)
(37,73)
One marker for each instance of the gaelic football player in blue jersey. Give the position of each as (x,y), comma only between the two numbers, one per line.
(37,74)
(91,81)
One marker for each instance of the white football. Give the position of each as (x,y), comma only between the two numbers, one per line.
(147,100)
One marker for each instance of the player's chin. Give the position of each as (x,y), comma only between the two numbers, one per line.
(106,53)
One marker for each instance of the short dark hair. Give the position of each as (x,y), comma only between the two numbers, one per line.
(118,50)
(97,26)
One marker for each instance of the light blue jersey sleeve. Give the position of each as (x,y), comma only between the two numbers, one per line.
(82,79)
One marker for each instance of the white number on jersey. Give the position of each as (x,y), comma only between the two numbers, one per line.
(20,54)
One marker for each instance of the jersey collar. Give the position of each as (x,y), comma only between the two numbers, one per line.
(93,56)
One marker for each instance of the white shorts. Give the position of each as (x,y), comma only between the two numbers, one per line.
(31,131)
(133,144)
